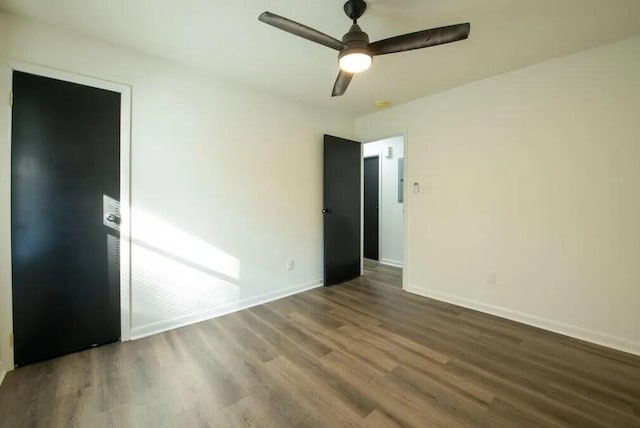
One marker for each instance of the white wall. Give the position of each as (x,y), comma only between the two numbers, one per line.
(391,211)
(226,182)
(534,175)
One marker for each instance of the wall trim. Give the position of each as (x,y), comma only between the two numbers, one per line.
(188,319)
(3,373)
(390,262)
(598,338)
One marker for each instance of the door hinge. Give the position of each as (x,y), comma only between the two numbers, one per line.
(11,98)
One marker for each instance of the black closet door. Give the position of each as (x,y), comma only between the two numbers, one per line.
(371,209)
(65,158)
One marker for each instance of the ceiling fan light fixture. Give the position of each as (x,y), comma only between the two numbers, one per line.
(356,52)
(355,60)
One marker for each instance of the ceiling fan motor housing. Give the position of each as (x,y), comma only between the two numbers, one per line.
(356,40)
(356,37)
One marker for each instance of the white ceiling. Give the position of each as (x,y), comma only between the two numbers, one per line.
(226,38)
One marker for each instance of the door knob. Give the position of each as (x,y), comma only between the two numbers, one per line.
(113,218)
(327,211)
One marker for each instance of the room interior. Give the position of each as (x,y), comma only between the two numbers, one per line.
(520,232)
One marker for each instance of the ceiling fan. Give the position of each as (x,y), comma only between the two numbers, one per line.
(356,53)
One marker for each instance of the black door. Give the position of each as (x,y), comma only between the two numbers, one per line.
(371,186)
(342,180)
(65,156)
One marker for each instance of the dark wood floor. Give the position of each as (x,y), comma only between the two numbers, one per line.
(359,354)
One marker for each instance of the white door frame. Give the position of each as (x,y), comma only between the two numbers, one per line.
(125,176)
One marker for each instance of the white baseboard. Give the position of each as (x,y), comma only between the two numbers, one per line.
(587,335)
(390,262)
(3,373)
(187,319)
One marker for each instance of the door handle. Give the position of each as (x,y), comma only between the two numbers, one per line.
(327,211)
(113,218)
(111,212)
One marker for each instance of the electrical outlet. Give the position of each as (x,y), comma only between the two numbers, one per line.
(492,279)
(290,264)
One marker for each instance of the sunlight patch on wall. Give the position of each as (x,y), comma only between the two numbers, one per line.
(175,274)
(152,232)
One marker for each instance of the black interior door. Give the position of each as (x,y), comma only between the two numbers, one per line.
(371,190)
(65,156)
(342,181)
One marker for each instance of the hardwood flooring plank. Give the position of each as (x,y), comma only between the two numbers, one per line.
(397,403)
(378,419)
(336,339)
(317,394)
(448,400)
(302,338)
(280,403)
(360,403)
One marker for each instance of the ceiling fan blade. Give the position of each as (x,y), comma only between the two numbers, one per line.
(421,39)
(301,30)
(342,83)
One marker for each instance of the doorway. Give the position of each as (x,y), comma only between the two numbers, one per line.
(383,207)
(363,209)
(69,206)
